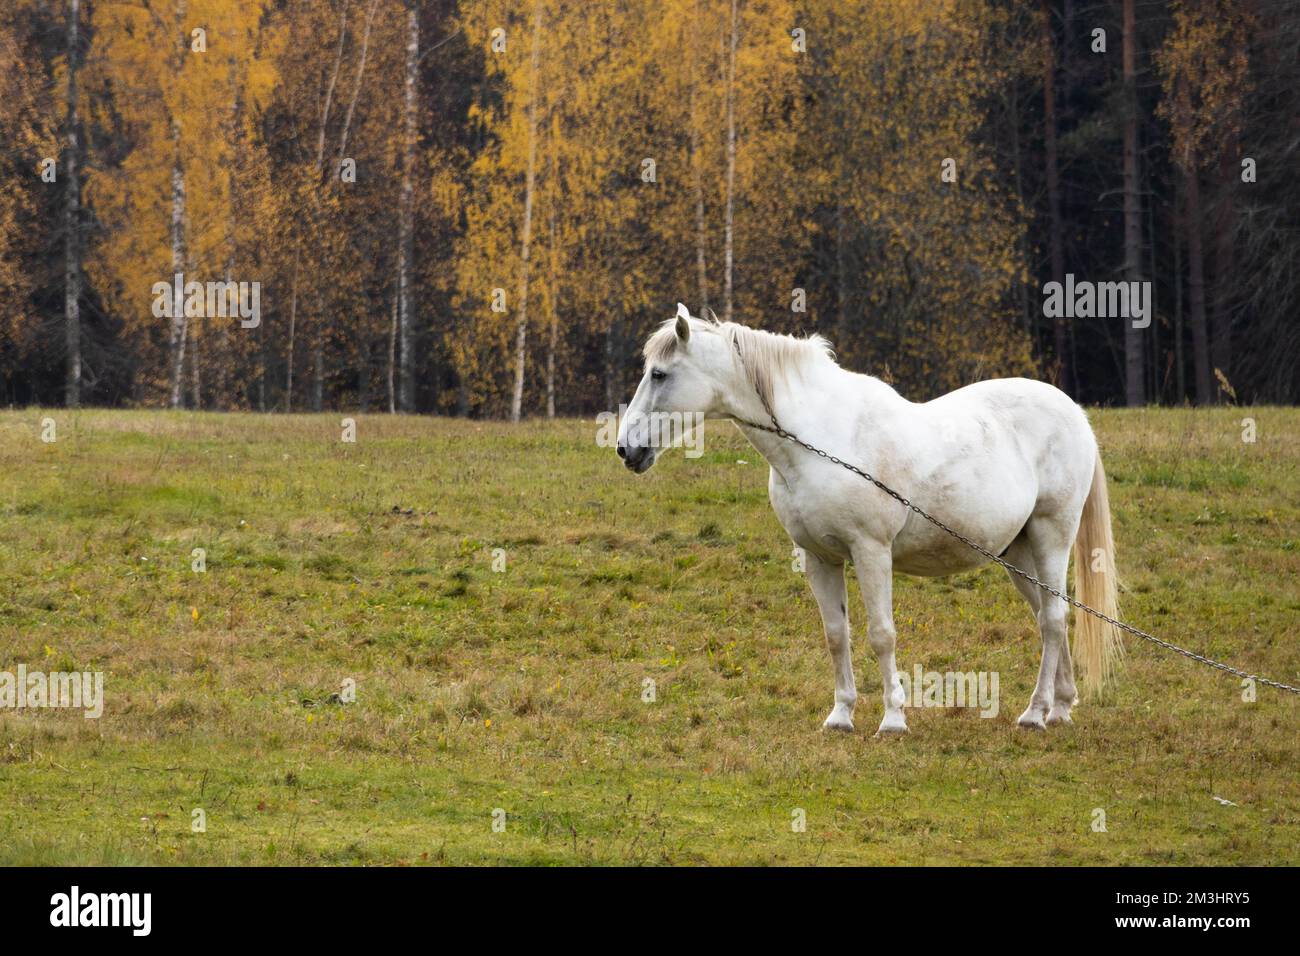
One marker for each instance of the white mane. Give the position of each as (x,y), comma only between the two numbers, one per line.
(767,355)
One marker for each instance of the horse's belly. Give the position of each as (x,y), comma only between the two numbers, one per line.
(993,522)
(934,555)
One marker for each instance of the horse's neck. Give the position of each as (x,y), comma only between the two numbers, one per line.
(824,405)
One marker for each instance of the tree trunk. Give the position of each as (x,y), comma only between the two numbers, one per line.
(196,381)
(530,181)
(728,253)
(1156,388)
(697,186)
(553,290)
(1053,176)
(365,373)
(1022,242)
(326,103)
(326,320)
(1196,286)
(178,328)
(612,332)
(72,220)
(261,367)
(319,332)
(406,226)
(224,360)
(1180,360)
(392,357)
(1134,339)
(1067,35)
(550,370)
(1224,261)
(356,90)
(841,273)
(293,329)
(329,90)
(318,375)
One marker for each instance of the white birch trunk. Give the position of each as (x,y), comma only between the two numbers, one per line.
(521,331)
(178,328)
(406,224)
(555,319)
(697,175)
(729,241)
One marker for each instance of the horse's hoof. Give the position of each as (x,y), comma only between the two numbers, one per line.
(840,718)
(892,726)
(841,724)
(885,733)
(1058,717)
(1030,721)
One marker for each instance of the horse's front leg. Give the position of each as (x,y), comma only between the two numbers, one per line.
(875,566)
(828,587)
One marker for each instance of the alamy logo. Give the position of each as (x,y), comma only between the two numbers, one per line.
(26,689)
(976,689)
(1101,300)
(655,430)
(212,300)
(103,909)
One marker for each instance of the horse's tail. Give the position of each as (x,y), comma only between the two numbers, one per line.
(1098,646)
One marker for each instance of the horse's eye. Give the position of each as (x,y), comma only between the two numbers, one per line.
(658,374)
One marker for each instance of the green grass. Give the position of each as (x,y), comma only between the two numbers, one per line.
(522,689)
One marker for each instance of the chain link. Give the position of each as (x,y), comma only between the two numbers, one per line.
(776,429)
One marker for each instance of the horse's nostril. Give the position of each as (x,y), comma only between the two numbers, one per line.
(622,451)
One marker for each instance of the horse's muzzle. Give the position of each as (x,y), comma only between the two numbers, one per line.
(637,459)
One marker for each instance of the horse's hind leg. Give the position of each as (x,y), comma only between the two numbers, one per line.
(1022,556)
(828,587)
(1048,543)
(1066,693)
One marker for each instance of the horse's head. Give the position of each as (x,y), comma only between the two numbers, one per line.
(687,370)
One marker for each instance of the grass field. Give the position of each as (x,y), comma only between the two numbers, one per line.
(521,689)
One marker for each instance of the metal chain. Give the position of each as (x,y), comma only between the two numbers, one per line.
(780,432)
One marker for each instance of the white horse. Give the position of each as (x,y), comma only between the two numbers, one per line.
(1010,463)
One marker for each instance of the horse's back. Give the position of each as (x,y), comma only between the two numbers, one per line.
(1039,419)
(1015,397)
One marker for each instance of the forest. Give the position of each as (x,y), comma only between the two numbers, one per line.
(481,208)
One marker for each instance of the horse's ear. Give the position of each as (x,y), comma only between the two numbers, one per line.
(683,327)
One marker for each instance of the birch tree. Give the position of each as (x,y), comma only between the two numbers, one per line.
(406,227)
(526,231)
